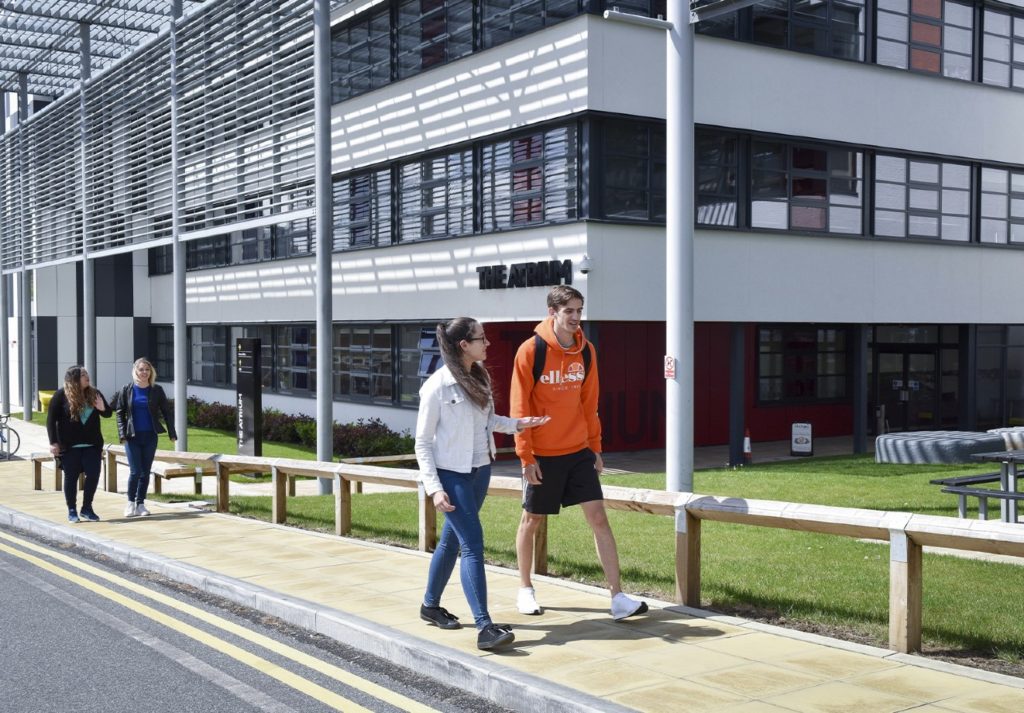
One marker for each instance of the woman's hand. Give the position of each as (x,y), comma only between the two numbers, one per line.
(441,502)
(531,422)
(98,403)
(55,449)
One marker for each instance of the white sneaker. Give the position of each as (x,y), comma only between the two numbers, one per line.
(129,510)
(140,510)
(526,601)
(624,606)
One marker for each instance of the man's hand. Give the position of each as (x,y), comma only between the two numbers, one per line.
(598,463)
(441,502)
(55,449)
(532,474)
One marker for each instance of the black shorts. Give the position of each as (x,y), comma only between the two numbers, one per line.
(565,480)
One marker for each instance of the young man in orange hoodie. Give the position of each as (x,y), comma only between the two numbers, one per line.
(562,459)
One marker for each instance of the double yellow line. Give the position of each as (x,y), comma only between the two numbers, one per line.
(262,665)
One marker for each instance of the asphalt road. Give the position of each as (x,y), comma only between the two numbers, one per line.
(86,635)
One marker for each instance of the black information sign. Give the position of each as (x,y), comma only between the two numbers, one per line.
(248,377)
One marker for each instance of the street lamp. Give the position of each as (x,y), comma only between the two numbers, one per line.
(679,188)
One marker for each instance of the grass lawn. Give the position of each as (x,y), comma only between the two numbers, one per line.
(819,582)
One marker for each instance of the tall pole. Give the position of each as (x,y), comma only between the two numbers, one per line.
(679,249)
(88,266)
(178,255)
(5,338)
(324,242)
(27,366)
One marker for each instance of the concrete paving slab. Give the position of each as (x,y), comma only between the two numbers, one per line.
(573,658)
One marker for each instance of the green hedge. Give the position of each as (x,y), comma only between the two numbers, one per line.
(364,437)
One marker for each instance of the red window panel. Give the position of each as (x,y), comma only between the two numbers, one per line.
(529,210)
(924,60)
(926,34)
(927,8)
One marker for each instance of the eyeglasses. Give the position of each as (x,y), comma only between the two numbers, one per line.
(476,339)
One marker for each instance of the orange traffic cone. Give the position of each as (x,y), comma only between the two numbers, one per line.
(748,455)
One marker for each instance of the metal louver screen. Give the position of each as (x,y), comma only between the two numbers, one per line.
(245,140)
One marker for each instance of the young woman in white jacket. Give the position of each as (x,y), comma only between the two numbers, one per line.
(454,449)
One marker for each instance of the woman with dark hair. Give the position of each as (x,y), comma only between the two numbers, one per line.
(73,426)
(454,448)
(139,405)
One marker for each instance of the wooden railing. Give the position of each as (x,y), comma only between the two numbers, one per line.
(906,533)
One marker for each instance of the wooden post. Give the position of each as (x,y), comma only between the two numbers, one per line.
(279,509)
(428,521)
(58,474)
(111,486)
(291,486)
(222,487)
(904,593)
(37,474)
(81,482)
(687,558)
(540,547)
(342,505)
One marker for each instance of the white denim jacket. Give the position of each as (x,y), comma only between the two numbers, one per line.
(444,429)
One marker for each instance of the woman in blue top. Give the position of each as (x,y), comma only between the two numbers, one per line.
(73,427)
(139,406)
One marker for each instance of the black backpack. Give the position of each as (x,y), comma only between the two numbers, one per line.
(540,356)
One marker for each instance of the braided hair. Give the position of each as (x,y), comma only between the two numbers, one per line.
(78,397)
(475,381)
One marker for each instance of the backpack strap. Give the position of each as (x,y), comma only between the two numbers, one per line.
(540,354)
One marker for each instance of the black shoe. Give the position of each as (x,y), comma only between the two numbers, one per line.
(492,636)
(88,514)
(439,616)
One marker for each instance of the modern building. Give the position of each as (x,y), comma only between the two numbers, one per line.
(859,230)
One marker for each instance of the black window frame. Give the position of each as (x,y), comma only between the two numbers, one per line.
(795,375)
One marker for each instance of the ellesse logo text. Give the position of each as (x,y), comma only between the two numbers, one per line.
(573,373)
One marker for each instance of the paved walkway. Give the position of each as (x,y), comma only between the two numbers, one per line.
(573,658)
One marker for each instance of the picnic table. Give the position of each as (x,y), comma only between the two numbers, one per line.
(1008,473)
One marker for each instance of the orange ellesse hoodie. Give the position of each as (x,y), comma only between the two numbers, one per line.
(561,392)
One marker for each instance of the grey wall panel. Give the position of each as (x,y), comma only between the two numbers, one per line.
(50,370)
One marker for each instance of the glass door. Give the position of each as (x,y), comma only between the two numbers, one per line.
(906,384)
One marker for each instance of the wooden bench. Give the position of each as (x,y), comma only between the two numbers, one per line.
(161,470)
(982,494)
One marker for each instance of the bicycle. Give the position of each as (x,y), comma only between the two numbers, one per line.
(10,441)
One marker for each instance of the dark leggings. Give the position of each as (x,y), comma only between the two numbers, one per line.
(75,461)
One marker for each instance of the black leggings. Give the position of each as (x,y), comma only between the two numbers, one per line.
(75,461)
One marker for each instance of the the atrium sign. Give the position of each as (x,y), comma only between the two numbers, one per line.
(525,274)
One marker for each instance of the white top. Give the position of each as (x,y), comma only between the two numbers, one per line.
(448,429)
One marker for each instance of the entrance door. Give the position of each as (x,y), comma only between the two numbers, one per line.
(906,386)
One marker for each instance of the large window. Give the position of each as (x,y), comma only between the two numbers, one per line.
(362,210)
(931,36)
(633,171)
(504,20)
(432,32)
(717,157)
(210,364)
(1003,43)
(295,359)
(530,179)
(826,27)
(806,187)
(919,198)
(162,350)
(798,364)
(1002,205)
(363,363)
(437,196)
(361,55)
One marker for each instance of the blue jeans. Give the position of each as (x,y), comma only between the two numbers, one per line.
(140,450)
(462,530)
(74,462)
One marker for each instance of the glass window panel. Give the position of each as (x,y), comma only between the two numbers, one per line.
(1017,182)
(959,40)
(960,15)
(891,168)
(955,228)
(994,205)
(956,175)
(996,73)
(892,54)
(1017,233)
(997,48)
(927,8)
(925,60)
(924,172)
(890,223)
(769,214)
(1018,78)
(807,217)
(997,22)
(844,220)
(899,6)
(926,33)
(994,179)
(993,231)
(956,66)
(1017,208)
(891,195)
(923,225)
(956,202)
(893,27)
(925,199)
